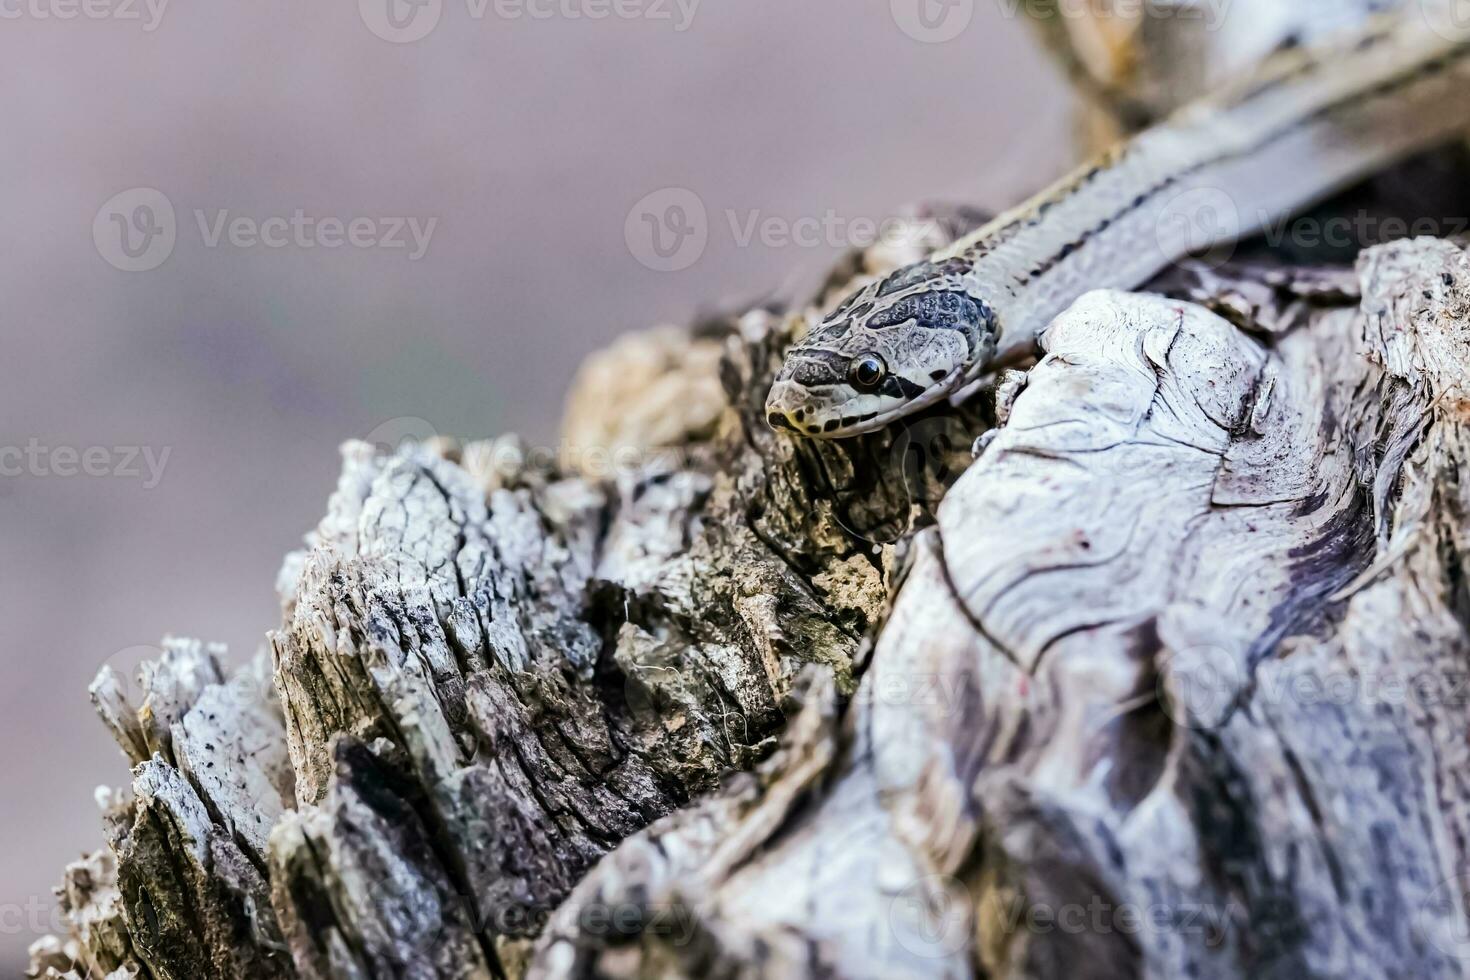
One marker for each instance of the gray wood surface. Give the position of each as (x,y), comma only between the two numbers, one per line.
(1169,680)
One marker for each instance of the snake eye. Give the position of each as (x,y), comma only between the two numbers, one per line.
(866,372)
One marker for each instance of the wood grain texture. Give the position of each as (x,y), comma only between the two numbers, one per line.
(497,661)
(1169,680)
(1171,683)
(1210,728)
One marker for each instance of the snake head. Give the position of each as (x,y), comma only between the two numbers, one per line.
(893,348)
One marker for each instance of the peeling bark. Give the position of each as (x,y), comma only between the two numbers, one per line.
(497,663)
(1165,678)
(1123,718)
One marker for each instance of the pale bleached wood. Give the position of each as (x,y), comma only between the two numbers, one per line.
(498,661)
(1137,61)
(1131,701)
(1133,714)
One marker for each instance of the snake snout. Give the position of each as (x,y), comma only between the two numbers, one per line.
(786,408)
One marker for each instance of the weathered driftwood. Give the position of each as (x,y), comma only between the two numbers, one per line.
(1172,683)
(1174,686)
(497,663)
(1138,60)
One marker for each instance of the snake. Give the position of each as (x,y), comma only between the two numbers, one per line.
(1308,123)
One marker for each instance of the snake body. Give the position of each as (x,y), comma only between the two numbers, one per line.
(1310,122)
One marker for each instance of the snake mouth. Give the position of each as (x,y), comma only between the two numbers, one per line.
(778,420)
(938,392)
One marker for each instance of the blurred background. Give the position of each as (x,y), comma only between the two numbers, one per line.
(235,236)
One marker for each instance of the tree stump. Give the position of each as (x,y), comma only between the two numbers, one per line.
(1147,661)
